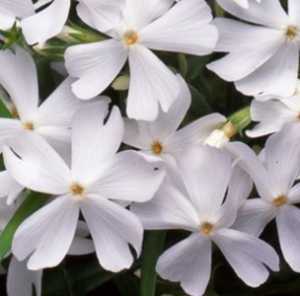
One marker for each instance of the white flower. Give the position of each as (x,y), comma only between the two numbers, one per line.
(274,174)
(263,54)
(50,119)
(244,3)
(161,140)
(200,209)
(39,26)
(135,28)
(273,112)
(97,178)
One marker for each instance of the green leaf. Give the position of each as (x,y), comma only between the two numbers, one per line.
(4,112)
(32,203)
(153,246)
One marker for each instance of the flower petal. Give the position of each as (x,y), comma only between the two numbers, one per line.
(130,177)
(36,165)
(184,28)
(151,84)
(269,12)
(271,116)
(206,185)
(112,229)
(21,281)
(94,143)
(169,209)
(247,255)
(47,234)
(188,262)
(288,223)
(277,76)
(18,76)
(46,23)
(95,65)
(254,216)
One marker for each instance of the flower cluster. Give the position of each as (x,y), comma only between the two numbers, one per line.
(108,168)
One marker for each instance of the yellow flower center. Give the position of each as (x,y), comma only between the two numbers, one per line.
(28,125)
(130,37)
(77,190)
(156,148)
(291,32)
(280,201)
(206,228)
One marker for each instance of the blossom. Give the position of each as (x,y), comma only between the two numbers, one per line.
(50,119)
(199,209)
(273,112)
(135,28)
(160,139)
(263,54)
(97,179)
(38,26)
(274,174)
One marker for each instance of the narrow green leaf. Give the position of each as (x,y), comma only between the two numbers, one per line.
(4,112)
(153,246)
(32,203)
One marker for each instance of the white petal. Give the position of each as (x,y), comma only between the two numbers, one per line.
(188,262)
(184,28)
(194,133)
(247,160)
(37,165)
(271,117)
(269,12)
(277,76)
(247,255)
(18,76)
(254,216)
(288,223)
(130,177)
(142,12)
(233,32)
(9,187)
(100,15)
(20,280)
(93,143)
(7,19)
(294,11)
(283,168)
(151,84)
(113,228)
(47,234)
(81,246)
(19,8)
(294,194)
(169,209)
(206,185)
(95,65)
(9,128)
(59,108)
(238,65)
(167,122)
(47,23)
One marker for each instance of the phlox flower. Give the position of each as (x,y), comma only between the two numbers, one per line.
(273,112)
(201,210)
(39,21)
(96,181)
(274,174)
(263,54)
(162,139)
(244,3)
(136,27)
